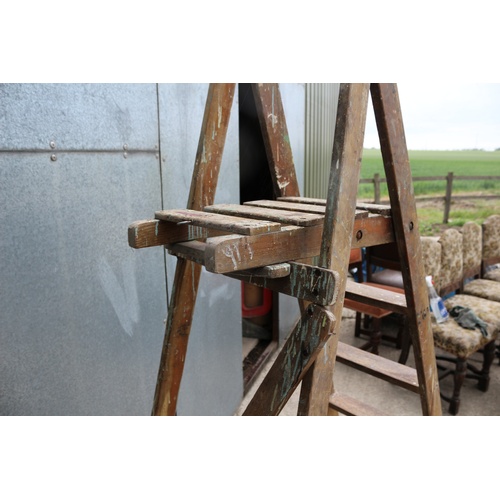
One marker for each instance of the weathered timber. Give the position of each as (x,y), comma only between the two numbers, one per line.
(230,253)
(305,282)
(272,121)
(282,216)
(187,274)
(153,233)
(370,207)
(227,223)
(347,405)
(338,231)
(299,350)
(375,296)
(389,121)
(297,207)
(378,366)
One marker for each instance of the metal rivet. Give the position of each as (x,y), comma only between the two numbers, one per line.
(52,144)
(53,157)
(124,155)
(125,147)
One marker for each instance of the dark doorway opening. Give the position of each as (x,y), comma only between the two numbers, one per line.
(259,305)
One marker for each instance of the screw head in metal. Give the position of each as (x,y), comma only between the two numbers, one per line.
(52,144)
(53,157)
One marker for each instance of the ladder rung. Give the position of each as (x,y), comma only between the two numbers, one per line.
(376,296)
(352,407)
(378,366)
(226,223)
(282,216)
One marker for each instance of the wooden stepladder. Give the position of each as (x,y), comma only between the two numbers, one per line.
(300,247)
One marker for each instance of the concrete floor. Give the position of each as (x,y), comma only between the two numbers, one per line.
(389,398)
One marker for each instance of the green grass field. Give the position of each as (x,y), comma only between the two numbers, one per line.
(439,163)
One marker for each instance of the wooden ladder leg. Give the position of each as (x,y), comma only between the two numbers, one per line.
(405,221)
(337,233)
(187,273)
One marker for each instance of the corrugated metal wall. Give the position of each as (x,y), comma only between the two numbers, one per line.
(321,112)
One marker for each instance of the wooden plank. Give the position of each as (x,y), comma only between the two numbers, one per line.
(187,273)
(271,272)
(347,405)
(195,251)
(375,296)
(304,282)
(281,216)
(297,207)
(371,207)
(227,223)
(389,121)
(300,349)
(378,366)
(151,233)
(338,231)
(373,230)
(272,121)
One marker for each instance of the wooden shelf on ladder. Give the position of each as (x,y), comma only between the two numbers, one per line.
(300,247)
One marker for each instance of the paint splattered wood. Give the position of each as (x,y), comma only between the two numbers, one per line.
(271,116)
(304,282)
(152,233)
(225,254)
(297,207)
(300,349)
(187,273)
(370,207)
(226,223)
(281,216)
(389,121)
(338,230)
(373,230)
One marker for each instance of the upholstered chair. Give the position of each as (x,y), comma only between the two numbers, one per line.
(461,343)
(491,248)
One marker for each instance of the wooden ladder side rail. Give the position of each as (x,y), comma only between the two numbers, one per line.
(389,122)
(187,273)
(317,385)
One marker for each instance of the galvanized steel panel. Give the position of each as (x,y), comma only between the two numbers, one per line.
(212,383)
(81,313)
(78,116)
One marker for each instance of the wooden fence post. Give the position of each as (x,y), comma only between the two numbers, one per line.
(447,199)
(376,188)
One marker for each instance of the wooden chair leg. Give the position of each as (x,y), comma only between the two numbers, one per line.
(405,344)
(459,377)
(357,325)
(488,358)
(375,336)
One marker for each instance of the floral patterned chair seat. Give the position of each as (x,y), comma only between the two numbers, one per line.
(452,338)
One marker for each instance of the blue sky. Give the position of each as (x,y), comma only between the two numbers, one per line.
(446,116)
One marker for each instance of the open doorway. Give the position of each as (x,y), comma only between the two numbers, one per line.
(259,306)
